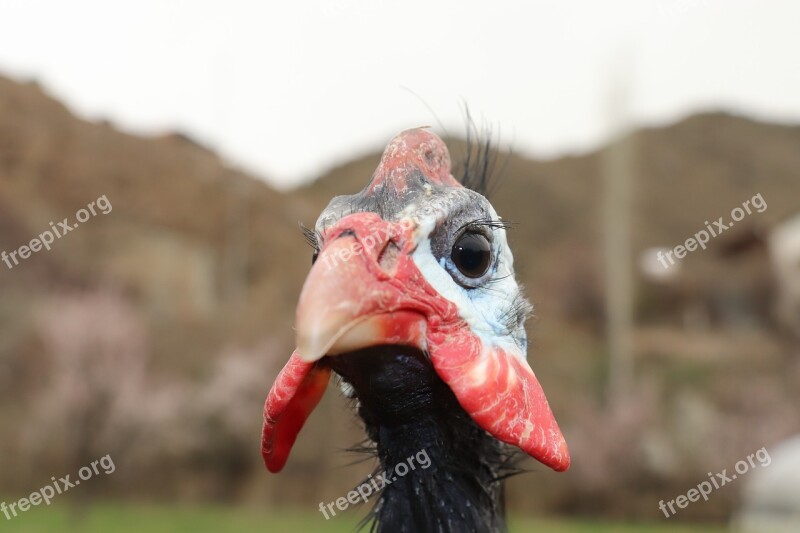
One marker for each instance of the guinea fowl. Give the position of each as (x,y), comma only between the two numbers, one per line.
(412,301)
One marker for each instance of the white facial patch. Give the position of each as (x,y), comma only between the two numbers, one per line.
(485,308)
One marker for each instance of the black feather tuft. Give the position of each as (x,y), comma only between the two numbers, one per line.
(478,172)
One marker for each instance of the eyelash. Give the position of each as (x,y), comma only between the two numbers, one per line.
(311,237)
(485,223)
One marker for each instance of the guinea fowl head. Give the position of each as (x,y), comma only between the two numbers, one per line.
(413,302)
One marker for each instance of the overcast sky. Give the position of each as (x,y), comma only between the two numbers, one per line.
(290,89)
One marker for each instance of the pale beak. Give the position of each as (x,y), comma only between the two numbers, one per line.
(346,306)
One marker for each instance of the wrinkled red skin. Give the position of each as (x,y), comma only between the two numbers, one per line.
(417,150)
(497,389)
(507,399)
(297,391)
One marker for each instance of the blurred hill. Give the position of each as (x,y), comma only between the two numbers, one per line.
(190,240)
(208,261)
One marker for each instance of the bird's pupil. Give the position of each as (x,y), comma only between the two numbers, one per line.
(471,254)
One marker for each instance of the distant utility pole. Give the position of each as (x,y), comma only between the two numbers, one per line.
(236,245)
(618,177)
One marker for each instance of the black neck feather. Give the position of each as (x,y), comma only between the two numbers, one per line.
(408,413)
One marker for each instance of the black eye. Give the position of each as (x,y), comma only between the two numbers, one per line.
(314,256)
(472,254)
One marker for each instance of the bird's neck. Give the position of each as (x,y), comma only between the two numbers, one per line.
(443,472)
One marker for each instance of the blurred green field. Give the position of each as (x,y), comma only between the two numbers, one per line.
(110,518)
